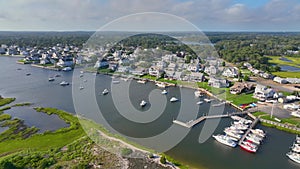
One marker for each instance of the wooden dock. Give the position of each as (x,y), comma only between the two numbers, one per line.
(192,123)
(256,120)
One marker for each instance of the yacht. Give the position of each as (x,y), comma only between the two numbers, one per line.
(164,92)
(64,83)
(198,93)
(81,87)
(248,148)
(207,100)
(234,130)
(232,134)
(258,132)
(253,140)
(143,103)
(294,156)
(162,85)
(295,148)
(105,91)
(225,140)
(115,82)
(66,69)
(199,102)
(240,126)
(173,99)
(142,81)
(50,79)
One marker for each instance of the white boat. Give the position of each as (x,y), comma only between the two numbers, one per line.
(256,137)
(51,79)
(143,103)
(207,100)
(105,91)
(241,119)
(225,140)
(64,83)
(173,99)
(232,134)
(81,87)
(142,81)
(115,82)
(248,148)
(258,132)
(67,69)
(253,140)
(293,156)
(295,148)
(234,130)
(198,93)
(162,85)
(232,138)
(240,126)
(164,92)
(199,102)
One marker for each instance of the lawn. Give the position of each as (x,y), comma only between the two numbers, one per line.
(276,60)
(4,101)
(149,77)
(287,74)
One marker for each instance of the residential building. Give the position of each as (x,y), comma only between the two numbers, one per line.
(218,82)
(263,92)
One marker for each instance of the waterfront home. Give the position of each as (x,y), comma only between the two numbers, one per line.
(193,67)
(263,92)
(293,80)
(161,64)
(240,87)
(65,61)
(218,82)
(211,70)
(101,63)
(196,76)
(138,71)
(280,80)
(154,71)
(123,69)
(230,72)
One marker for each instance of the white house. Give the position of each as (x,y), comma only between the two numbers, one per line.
(263,92)
(211,70)
(196,76)
(280,80)
(218,83)
(153,71)
(102,63)
(230,72)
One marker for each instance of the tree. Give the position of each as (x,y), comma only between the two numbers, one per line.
(163,159)
(246,78)
(223,63)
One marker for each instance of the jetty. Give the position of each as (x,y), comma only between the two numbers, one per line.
(256,120)
(192,123)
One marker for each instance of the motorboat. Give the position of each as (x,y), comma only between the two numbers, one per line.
(198,93)
(162,85)
(207,100)
(173,99)
(199,102)
(81,87)
(248,148)
(64,83)
(66,69)
(142,81)
(143,103)
(293,156)
(105,91)
(164,92)
(51,79)
(225,140)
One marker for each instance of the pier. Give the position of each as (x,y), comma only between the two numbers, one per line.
(192,123)
(256,120)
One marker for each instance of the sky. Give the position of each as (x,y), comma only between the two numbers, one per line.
(207,15)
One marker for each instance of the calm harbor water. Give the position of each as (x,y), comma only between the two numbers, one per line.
(210,154)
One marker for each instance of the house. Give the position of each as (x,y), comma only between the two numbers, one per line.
(196,76)
(293,80)
(217,82)
(230,72)
(153,71)
(211,70)
(65,61)
(101,63)
(263,92)
(280,80)
(161,64)
(240,87)
(193,67)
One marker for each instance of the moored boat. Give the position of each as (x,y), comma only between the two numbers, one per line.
(198,93)
(173,99)
(143,103)
(164,92)
(248,148)
(207,100)
(293,156)
(105,91)
(64,83)
(51,79)
(225,140)
(199,102)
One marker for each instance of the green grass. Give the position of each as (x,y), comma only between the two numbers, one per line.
(167,81)
(287,74)
(276,60)
(259,113)
(149,77)
(21,104)
(4,101)
(4,117)
(224,93)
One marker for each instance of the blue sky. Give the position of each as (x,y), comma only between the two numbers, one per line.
(207,15)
